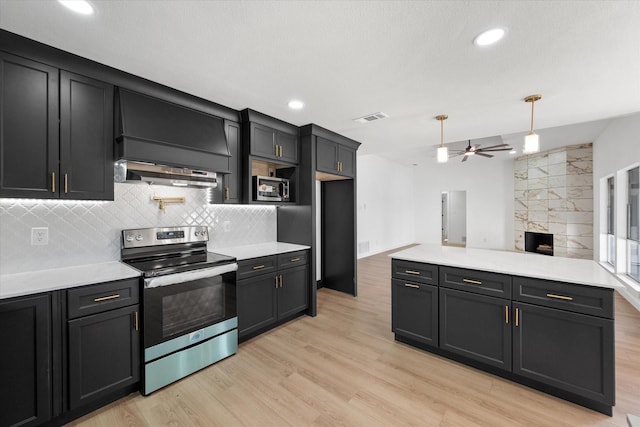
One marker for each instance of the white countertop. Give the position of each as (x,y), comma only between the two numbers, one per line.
(18,284)
(571,270)
(260,249)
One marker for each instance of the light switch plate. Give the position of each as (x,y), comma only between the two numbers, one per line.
(39,236)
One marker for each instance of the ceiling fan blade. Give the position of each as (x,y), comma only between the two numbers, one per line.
(483,155)
(495,146)
(464,158)
(496,149)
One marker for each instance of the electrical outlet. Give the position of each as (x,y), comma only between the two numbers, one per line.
(39,236)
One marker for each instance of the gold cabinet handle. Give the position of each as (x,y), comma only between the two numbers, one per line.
(409,285)
(276,149)
(136,320)
(281,151)
(516,317)
(417,273)
(562,297)
(114,296)
(258,267)
(281,280)
(473,282)
(53,182)
(276,280)
(66,183)
(506,314)
(294,259)
(227,193)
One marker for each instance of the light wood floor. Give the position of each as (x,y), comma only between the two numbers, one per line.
(344,368)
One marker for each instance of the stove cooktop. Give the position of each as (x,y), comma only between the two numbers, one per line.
(152,267)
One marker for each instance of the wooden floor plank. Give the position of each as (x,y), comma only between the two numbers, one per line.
(343,367)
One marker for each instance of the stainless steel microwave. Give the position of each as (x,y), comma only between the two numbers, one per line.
(270,189)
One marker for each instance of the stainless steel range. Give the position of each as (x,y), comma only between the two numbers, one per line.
(188,301)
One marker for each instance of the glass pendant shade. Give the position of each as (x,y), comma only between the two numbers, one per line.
(443,155)
(531,144)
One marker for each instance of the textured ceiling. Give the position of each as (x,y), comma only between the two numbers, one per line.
(345,59)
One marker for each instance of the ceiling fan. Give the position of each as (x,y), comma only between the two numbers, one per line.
(476,150)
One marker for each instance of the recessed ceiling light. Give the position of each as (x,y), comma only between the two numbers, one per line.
(296,105)
(512,152)
(80,6)
(489,37)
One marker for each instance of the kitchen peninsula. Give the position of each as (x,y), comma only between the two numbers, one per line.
(545,322)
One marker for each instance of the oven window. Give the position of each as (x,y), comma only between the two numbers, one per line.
(190,309)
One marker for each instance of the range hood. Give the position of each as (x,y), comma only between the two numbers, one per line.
(164,175)
(156,131)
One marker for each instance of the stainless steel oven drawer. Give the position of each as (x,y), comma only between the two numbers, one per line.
(94,299)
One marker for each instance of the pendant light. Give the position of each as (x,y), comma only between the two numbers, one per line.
(443,153)
(532,141)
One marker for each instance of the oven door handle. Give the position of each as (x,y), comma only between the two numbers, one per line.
(188,276)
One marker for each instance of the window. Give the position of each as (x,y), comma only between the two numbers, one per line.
(633,240)
(611,232)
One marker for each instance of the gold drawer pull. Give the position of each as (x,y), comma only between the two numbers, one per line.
(506,314)
(412,272)
(53,182)
(114,296)
(409,285)
(516,317)
(136,321)
(294,259)
(258,267)
(562,297)
(474,282)
(66,183)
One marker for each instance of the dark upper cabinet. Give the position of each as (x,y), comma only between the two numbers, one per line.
(415,311)
(86,138)
(25,361)
(29,150)
(570,351)
(273,144)
(104,354)
(56,139)
(335,158)
(476,326)
(233,181)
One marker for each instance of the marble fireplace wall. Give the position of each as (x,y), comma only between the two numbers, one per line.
(554,194)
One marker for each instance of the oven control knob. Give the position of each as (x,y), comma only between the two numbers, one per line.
(129,238)
(139,237)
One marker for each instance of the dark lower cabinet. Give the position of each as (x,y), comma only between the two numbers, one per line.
(570,351)
(257,303)
(25,361)
(476,326)
(266,299)
(415,311)
(104,354)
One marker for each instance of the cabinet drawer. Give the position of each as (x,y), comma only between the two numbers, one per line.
(564,296)
(479,282)
(256,266)
(292,259)
(102,297)
(414,271)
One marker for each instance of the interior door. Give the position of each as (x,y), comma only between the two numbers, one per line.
(338,236)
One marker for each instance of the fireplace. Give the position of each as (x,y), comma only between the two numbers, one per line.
(541,243)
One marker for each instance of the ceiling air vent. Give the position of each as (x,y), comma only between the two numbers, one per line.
(371,117)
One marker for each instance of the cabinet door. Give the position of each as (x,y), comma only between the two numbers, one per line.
(232,184)
(257,303)
(293,294)
(347,159)
(476,326)
(28,129)
(326,155)
(414,310)
(86,138)
(25,361)
(570,351)
(263,141)
(289,147)
(104,354)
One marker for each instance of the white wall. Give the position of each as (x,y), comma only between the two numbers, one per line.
(385,205)
(489,186)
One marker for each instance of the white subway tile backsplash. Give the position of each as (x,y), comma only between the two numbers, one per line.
(89,232)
